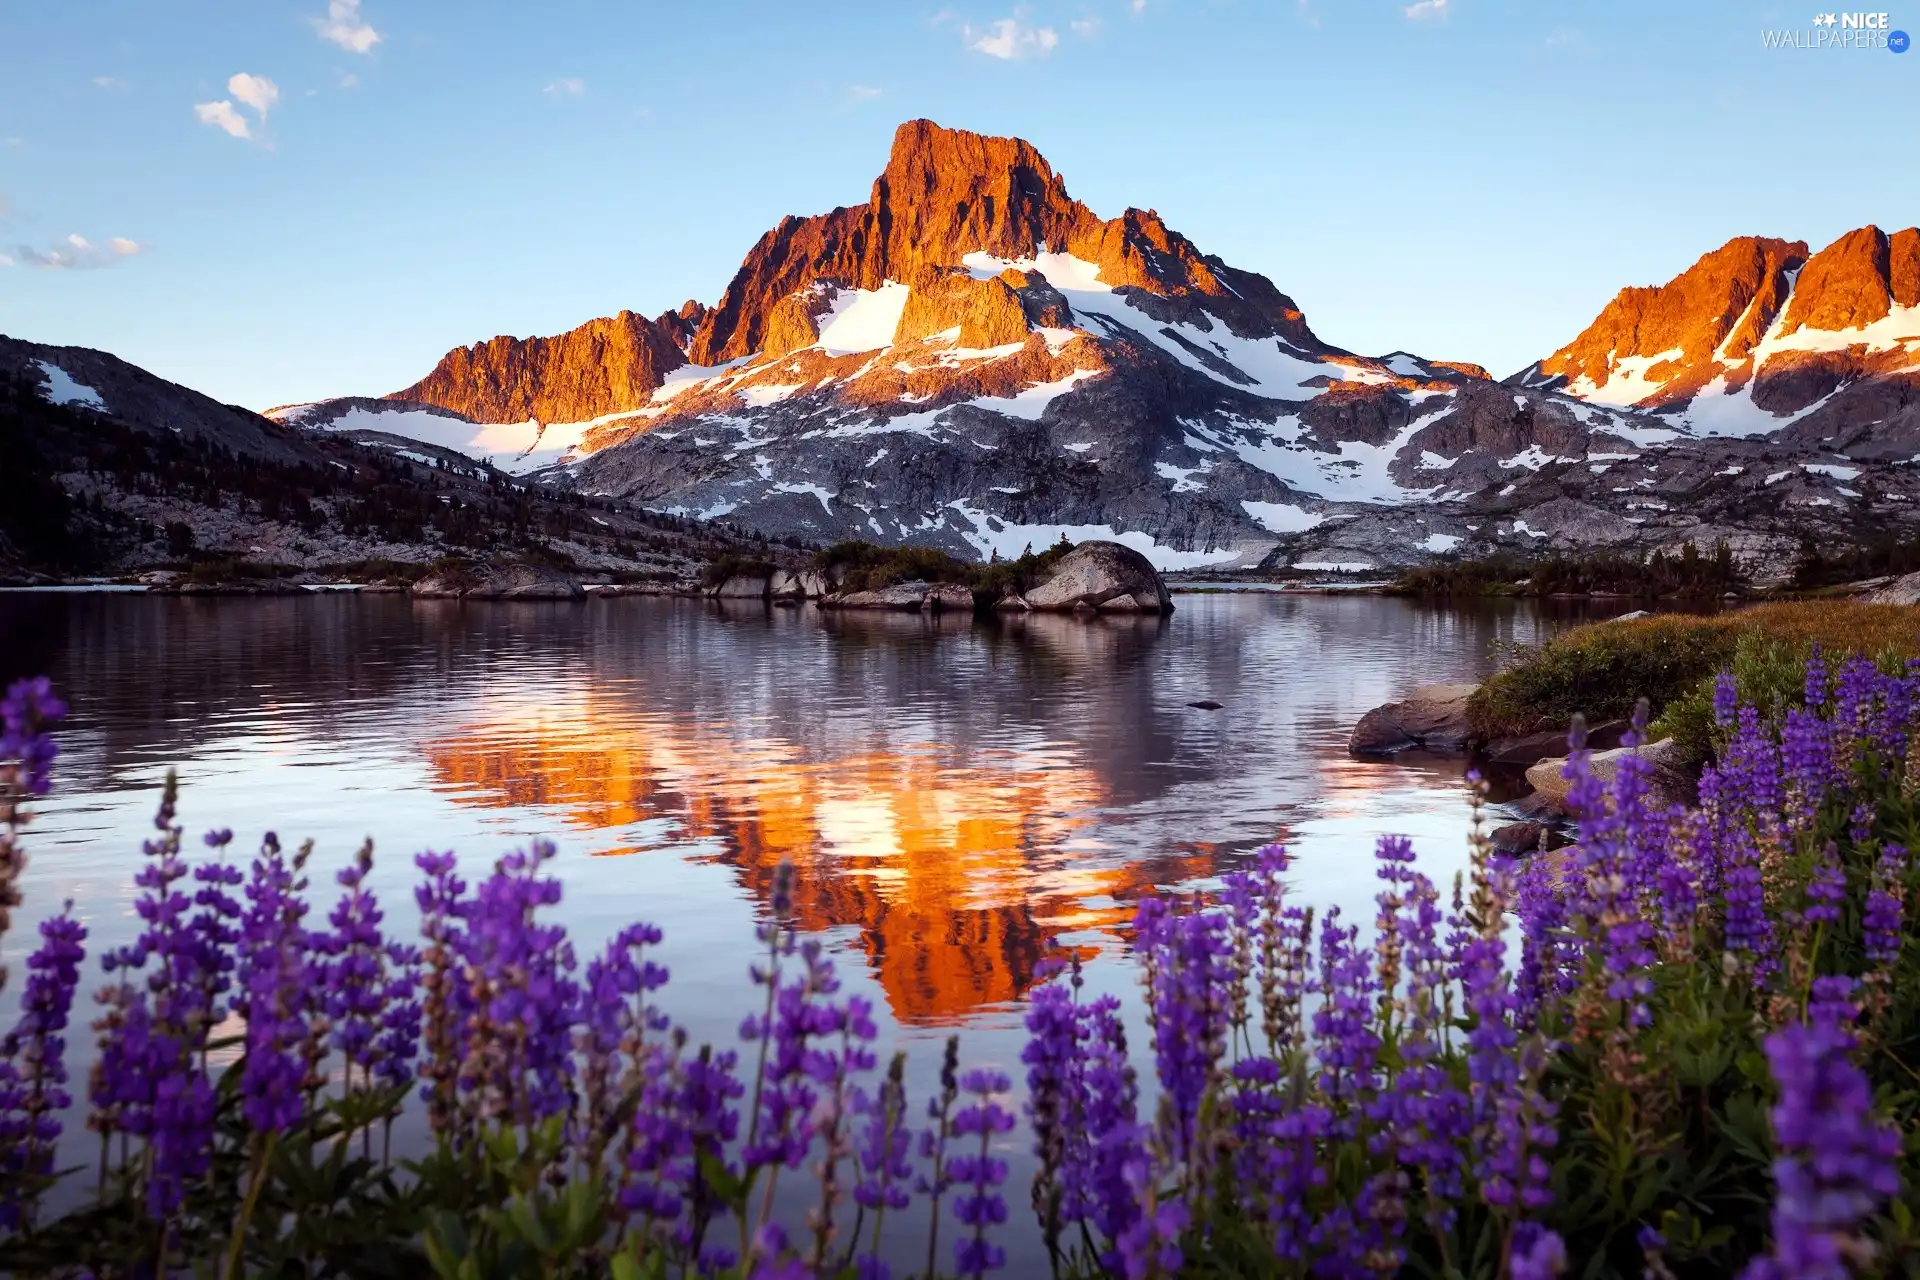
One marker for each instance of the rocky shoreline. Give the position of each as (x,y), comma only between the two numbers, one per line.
(1433,718)
(1094,578)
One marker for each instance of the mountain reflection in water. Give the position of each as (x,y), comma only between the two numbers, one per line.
(958,798)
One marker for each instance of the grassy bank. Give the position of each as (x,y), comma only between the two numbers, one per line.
(1600,670)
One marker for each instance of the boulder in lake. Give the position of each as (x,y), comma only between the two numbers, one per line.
(1522,837)
(1528,748)
(1104,577)
(499,582)
(1668,780)
(901,595)
(1432,716)
(949,597)
(748,584)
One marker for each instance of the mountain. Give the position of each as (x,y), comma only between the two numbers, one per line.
(973,359)
(111,469)
(1758,338)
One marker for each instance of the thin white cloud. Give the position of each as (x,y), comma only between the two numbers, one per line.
(1013,38)
(1086,28)
(566,87)
(1138,6)
(862,92)
(1427,10)
(221,115)
(349,81)
(1304,11)
(5,261)
(344,26)
(257,92)
(111,83)
(76,253)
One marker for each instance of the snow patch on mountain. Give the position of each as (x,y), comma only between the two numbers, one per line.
(990,535)
(863,319)
(62,389)
(1281,517)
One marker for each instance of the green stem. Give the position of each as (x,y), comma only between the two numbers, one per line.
(254,1185)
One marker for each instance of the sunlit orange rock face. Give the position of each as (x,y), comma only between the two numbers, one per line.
(600,367)
(944,194)
(1729,296)
(947,871)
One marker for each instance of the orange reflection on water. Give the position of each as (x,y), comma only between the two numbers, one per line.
(950,868)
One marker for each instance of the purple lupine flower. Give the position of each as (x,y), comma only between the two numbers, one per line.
(28,712)
(520,994)
(1679,881)
(884,1150)
(1806,751)
(1726,699)
(1837,1162)
(279,980)
(1881,923)
(1109,1135)
(1826,889)
(443,905)
(1544,971)
(833,1067)
(1538,1254)
(1277,1153)
(615,1037)
(149,1079)
(33,1068)
(369,984)
(1830,1001)
(1150,1246)
(980,1206)
(779,1133)
(1815,688)
(1423,1112)
(936,1178)
(1346,1046)
(1746,927)
(1190,1007)
(1055,1095)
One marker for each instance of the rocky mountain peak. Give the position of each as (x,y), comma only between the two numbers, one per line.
(1652,334)
(1856,280)
(948,195)
(601,367)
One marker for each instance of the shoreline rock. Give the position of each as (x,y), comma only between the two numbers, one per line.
(1432,716)
(499,582)
(1668,783)
(1101,577)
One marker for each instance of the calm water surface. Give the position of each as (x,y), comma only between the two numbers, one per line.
(958,798)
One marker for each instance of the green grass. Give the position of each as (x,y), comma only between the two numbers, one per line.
(1600,670)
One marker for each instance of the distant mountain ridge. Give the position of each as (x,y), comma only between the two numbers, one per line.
(1762,338)
(972,359)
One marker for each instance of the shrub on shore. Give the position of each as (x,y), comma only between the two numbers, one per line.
(1692,1056)
(1599,670)
(1688,572)
(862,566)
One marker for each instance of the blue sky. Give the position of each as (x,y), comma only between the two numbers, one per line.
(1466,179)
